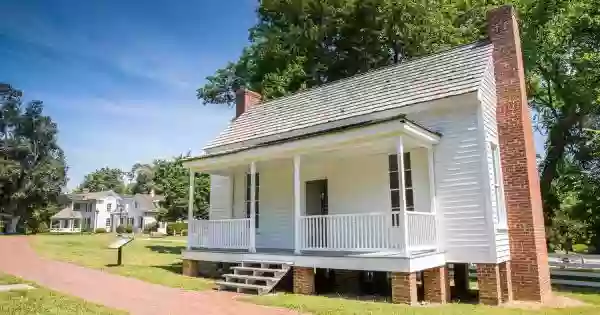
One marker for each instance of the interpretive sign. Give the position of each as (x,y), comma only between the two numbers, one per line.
(118,245)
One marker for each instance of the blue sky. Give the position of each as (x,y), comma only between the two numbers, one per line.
(119,77)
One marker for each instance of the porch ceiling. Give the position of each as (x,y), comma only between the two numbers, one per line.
(377,137)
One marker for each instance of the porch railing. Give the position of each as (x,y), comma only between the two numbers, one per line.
(227,234)
(422,233)
(369,232)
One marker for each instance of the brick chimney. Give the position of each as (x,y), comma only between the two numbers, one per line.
(244,99)
(529,256)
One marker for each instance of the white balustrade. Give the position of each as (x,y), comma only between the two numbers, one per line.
(227,234)
(421,231)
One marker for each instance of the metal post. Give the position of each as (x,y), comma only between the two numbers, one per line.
(297,232)
(119,256)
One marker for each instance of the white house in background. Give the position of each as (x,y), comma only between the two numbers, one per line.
(106,210)
(140,210)
(395,172)
(94,209)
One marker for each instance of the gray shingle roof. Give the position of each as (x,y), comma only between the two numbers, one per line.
(93,195)
(452,72)
(67,213)
(145,202)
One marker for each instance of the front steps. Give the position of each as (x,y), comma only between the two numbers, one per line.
(255,276)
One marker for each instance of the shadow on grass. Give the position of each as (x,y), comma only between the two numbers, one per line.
(174,268)
(166,249)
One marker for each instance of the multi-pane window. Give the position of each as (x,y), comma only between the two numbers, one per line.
(249,194)
(394,174)
(76,206)
(497,186)
(108,206)
(107,223)
(130,221)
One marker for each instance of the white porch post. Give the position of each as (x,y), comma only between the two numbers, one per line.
(433,199)
(253,207)
(297,232)
(190,208)
(400,155)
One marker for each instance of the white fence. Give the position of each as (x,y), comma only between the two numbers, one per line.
(226,234)
(368,232)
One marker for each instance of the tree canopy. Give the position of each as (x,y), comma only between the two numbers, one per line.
(32,165)
(104,179)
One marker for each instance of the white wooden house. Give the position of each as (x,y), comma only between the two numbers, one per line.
(395,170)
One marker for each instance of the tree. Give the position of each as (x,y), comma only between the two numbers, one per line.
(172,181)
(142,176)
(300,44)
(104,179)
(561,43)
(32,165)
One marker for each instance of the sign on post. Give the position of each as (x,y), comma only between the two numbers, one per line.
(118,245)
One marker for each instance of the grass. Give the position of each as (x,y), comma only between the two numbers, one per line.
(320,305)
(44,301)
(156,260)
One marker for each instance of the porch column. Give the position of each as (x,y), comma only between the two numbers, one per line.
(400,156)
(297,232)
(253,207)
(190,208)
(433,199)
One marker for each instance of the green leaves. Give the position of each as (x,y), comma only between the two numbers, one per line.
(32,168)
(104,179)
(298,44)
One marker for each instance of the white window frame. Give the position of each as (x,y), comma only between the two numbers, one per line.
(247,200)
(501,215)
(108,206)
(108,223)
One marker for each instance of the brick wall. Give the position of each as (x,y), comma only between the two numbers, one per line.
(488,280)
(190,268)
(436,285)
(404,288)
(529,268)
(304,280)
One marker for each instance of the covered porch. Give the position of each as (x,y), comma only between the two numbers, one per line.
(66,221)
(363,192)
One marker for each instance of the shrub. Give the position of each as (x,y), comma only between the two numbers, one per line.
(580,248)
(100,230)
(150,227)
(183,232)
(87,230)
(120,229)
(42,228)
(176,228)
(128,229)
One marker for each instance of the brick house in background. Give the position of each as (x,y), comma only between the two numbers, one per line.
(390,177)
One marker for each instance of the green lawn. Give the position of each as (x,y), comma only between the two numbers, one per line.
(331,306)
(44,301)
(157,260)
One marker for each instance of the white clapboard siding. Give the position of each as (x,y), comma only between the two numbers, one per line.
(220,197)
(458,176)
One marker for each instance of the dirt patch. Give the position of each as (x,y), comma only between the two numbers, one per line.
(556,301)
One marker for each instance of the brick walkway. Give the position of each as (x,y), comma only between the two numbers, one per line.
(115,291)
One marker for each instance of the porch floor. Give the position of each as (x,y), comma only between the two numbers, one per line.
(373,261)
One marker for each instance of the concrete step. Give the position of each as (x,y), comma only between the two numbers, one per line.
(249,277)
(276,271)
(243,286)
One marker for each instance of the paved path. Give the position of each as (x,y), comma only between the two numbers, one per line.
(118,292)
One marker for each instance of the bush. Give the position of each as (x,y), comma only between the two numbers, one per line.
(128,229)
(100,230)
(120,229)
(183,232)
(150,227)
(176,228)
(87,230)
(580,248)
(42,228)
